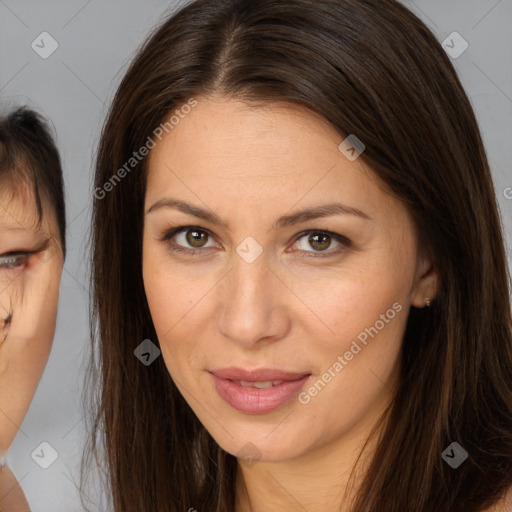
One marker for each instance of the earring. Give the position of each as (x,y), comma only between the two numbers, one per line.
(428,302)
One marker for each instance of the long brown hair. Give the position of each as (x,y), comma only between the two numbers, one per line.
(373,69)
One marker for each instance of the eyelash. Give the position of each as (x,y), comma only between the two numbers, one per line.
(345,242)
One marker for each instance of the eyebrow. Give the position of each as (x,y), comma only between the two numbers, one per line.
(315,212)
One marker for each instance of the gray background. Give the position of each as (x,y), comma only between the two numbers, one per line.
(74,86)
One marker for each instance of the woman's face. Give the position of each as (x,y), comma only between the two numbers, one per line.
(252,283)
(30,270)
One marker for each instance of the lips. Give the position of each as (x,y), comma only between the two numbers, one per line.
(257,391)
(257,375)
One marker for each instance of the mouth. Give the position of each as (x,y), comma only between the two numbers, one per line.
(260,385)
(257,391)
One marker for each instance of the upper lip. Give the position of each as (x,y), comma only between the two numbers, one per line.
(257,375)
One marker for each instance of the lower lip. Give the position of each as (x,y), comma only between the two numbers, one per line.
(258,401)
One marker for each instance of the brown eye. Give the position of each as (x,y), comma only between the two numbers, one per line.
(192,240)
(319,241)
(320,244)
(196,238)
(189,240)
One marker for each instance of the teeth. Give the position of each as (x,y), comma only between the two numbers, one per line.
(259,385)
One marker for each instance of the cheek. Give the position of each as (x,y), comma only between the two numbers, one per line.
(338,305)
(172,298)
(356,336)
(356,309)
(11,289)
(357,358)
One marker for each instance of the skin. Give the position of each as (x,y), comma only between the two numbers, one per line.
(251,165)
(29,291)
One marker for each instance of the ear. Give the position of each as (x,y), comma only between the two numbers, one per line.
(426,284)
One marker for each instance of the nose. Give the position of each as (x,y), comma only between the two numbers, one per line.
(252,305)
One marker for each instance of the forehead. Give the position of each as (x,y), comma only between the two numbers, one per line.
(273,153)
(226,139)
(219,128)
(18,208)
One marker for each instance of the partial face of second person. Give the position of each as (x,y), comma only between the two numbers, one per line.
(30,270)
(304,300)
